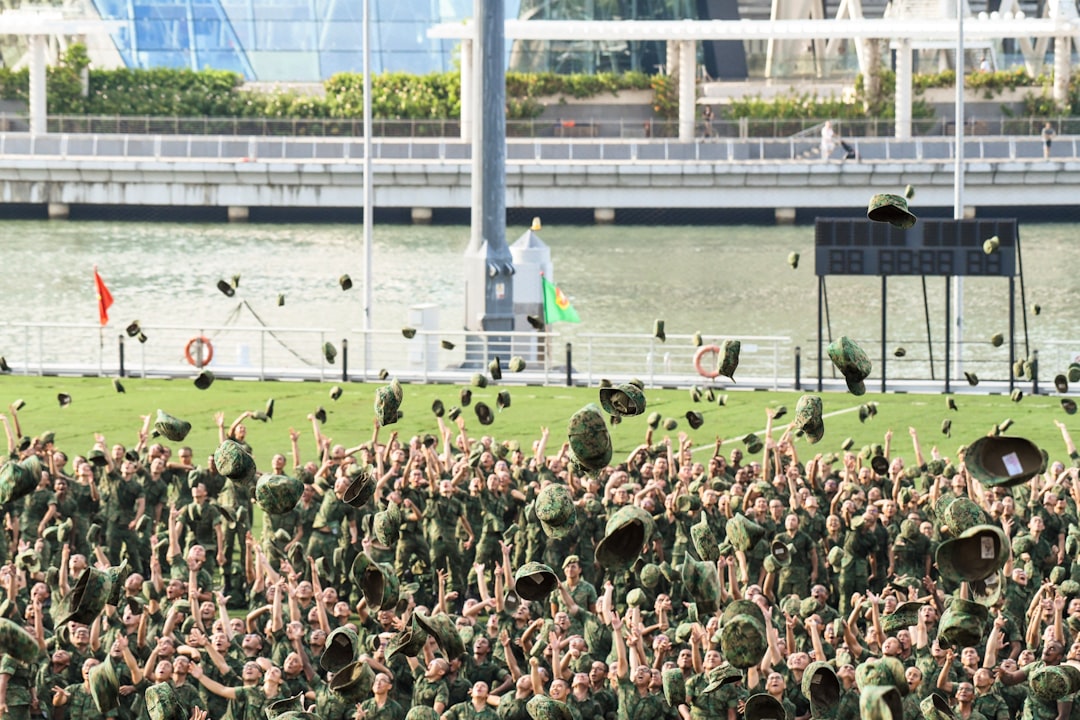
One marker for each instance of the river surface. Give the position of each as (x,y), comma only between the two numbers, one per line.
(717,280)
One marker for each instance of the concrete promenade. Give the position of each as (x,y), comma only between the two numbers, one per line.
(786,175)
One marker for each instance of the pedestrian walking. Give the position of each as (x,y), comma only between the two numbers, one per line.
(1047,138)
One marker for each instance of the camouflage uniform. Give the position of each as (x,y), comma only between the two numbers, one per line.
(709,706)
(326,528)
(633,706)
(119,512)
(441,515)
(390,710)
(80,704)
(428,693)
(991,705)
(20,680)
(860,544)
(466,711)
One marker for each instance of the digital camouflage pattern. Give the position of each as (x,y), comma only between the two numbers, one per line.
(555,510)
(342,645)
(962,623)
(892,209)
(743,641)
(978,553)
(626,533)
(278,494)
(960,514)
(353,682)
(879,702)
(985,460)
(729,358)
(442,628)
(535,581)
(171,428)
(821,687)
(232,461)
(590,442)
(625,400)
(387,403)
(852,363)
(743,533)
(808,417)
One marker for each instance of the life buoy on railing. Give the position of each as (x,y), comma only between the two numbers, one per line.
(199,346)
(699,358)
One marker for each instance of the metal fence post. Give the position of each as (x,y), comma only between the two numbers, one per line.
(1034,372)
(798,368)
(569,370)
(120,339)
(344,359)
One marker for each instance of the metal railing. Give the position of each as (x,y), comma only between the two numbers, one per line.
(259,352)
(578,128)
(167,148)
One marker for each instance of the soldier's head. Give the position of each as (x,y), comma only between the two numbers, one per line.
(983,679)
(251,674)
(1052,652)
(914,678)
(642,676)
(436,669)
(293,665)
(482,646)
(382,684)
(88,665)
(163,671)
(598,673)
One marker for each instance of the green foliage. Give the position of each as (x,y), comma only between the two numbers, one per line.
(665,96)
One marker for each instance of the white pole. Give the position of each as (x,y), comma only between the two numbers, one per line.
(38,105)
(958,186)
(368,195)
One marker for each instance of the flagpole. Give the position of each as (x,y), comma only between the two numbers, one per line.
(101,329)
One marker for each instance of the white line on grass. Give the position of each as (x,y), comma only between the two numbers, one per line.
(834,413)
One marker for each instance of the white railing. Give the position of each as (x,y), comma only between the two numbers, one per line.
(259,352)
(183,148)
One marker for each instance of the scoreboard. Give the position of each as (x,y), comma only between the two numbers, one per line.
(857,246)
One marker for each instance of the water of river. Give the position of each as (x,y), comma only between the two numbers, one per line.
(719,280)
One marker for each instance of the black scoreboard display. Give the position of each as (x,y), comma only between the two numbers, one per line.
(856,246)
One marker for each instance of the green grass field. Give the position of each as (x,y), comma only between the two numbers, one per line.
(96,407)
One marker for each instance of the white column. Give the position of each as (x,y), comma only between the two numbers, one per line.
(1062,53)
(687,89)
(903,90)
(671,57)
(38,108)
(466,88)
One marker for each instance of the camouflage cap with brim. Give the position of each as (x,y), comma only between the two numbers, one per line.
(743,641)
(626,400)
(1050,684)
(590,441)
(484,413)
(650,575)
(763,707)
(705,542)
(535,581)
(625,534)
(387,402)
(286,705)
(821,686)
(743,533)
(988,592)
(361,486)
(961,514)
(278,494)
(852,362)
(808,417)
(782,552)
(674,687)
(516,364)
(962,623)
(16,481)
(408,643)
(728,358)
(171,428)
(232,461)
(421,712)
(342,647)
(936,707)
(162,703)
(18,643)
(721,675)
(104,686)
(880,702)
(442,628)
(883,671)
(1003,461)
(694,419)
(353,682)
(904,616)
(555,510)
(85,601)
(542,707)
(976,554)
(702,583)
(892,209)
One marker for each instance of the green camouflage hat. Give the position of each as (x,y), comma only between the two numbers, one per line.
(329,352)
(204,379)
(743,533)
(975,554)
(353,682)
(171,428)
(989,591)
(421,712)
(626,533)
(479,380)
(1068,405)
(278,494)
(658,331)
(904,616)
(535,581)
(555,510)
(336,392)
(484,413)
(881,702)
(516,364)
(280,707)
(1003,461)
(1073,373)
(85,600)
(233,461)
(590,442)
(997,339)
(378,582)
(962,623)
(162,703)
(705,543)
(793,260)
(822,687)
(625,400)
(361,486)
(960,514)
(808,417)
(635,598)
(721,675)
(342,647)
(695,419)
(1050,684)
(729,358)
(763,706)
(852,362)
(1072,670)
(649,575)
(541,707)
(936,707)
(16,481)
(653,420)
(495,368)
(442,628)
(742,607)
(702,583)
(883,671)
(674,687)
(892,209)
(743,641)
(409,642)
(104,686)
(782,553)
(387,402)
(502,401)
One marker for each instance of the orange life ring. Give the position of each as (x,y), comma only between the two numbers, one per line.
(699,358)
(208,351)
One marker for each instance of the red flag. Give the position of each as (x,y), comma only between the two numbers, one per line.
(104,298)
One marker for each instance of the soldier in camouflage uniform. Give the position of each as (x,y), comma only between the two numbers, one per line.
(860,544)
(442,514)
(475,708)
(327,527)
(380,706)
(76,698)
